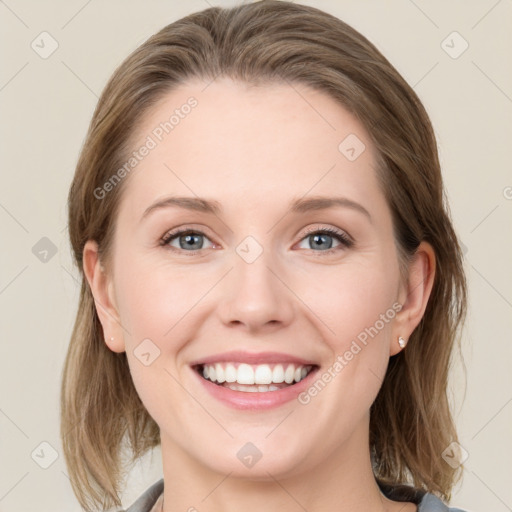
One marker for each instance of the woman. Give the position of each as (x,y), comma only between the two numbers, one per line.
(274,372)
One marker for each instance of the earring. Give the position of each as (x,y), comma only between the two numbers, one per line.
(401,342)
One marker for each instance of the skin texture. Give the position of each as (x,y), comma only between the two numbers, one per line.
(254,150)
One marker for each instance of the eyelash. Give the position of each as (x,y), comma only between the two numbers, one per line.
(340,236)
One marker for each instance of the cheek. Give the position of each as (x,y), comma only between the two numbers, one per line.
(350,299)
(155,299)
(356,312)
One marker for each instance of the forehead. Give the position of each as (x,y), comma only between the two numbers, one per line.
(228,139)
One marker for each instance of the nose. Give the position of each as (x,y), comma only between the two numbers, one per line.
(255,296)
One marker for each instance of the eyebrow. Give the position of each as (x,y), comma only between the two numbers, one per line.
(300,205)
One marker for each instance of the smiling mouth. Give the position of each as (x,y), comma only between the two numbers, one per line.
(254,378)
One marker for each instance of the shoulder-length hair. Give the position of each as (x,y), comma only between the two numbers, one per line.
(269,42)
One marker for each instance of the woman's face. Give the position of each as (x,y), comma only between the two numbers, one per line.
(255,286)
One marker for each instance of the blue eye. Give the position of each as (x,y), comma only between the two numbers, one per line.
(322,238)
(190,241)
(187,239)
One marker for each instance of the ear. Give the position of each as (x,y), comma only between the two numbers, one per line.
(414,294)
(104,300)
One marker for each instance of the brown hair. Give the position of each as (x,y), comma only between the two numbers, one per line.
(269,42)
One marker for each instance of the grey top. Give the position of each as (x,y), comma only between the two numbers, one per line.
(150,501)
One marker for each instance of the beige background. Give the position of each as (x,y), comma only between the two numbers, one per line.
(46,105)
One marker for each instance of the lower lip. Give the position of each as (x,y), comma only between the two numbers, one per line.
(256,400)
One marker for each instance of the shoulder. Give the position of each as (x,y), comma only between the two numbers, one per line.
(431,503)
(426,501)
(145,502)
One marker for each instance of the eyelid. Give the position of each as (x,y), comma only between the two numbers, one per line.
(175,232)
(329,229)
(342,237)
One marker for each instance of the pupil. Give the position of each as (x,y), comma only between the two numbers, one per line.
(319,238)
(189,241)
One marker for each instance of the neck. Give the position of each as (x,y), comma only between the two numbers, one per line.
(342,481)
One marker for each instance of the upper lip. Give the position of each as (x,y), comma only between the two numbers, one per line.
(239,356)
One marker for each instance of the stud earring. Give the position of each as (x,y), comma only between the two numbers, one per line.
(401,342)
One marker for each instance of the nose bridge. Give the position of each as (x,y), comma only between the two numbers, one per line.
(255,294)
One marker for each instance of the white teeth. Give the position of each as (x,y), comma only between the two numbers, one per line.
(230,373)
(219,372)
(261,375)
(245,374)
(289,374)
(278,374)
(252,389)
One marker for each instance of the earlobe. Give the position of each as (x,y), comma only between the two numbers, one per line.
(102,291)
(414,295)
